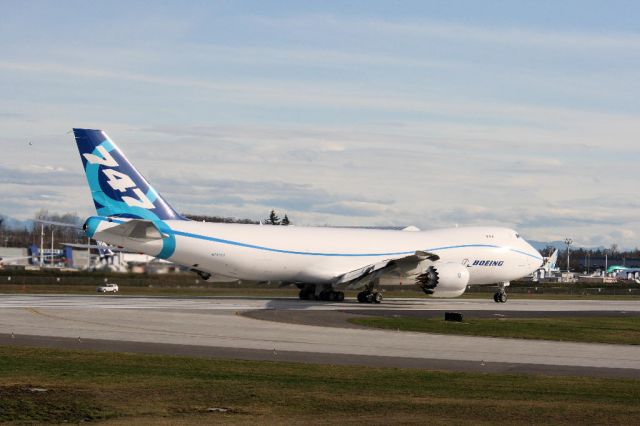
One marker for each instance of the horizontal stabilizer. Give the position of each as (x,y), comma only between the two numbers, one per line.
(137,229)
(96,247)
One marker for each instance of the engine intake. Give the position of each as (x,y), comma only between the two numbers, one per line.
(444,280)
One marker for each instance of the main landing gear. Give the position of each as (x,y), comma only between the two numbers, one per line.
(328,294)
(501,294)
(370,295)
(308,292)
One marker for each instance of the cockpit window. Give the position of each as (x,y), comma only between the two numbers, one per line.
(517,235)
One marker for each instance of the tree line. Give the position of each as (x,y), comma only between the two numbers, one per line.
(583,258)
(28,235)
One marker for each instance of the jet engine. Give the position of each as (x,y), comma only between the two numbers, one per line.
(444,279)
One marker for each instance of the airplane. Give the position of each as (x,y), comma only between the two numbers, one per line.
(320,261)
(624,272)
(614,269)
(549,264)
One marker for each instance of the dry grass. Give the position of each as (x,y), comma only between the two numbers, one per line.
(145,389)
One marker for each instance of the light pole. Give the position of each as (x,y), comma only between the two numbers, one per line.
(41,245)
(568,242)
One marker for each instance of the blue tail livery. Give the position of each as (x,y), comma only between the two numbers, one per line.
(117,188)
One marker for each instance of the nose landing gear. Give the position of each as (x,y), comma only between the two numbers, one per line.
(501,295)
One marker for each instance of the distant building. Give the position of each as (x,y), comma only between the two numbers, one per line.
(57,258)
(592,263)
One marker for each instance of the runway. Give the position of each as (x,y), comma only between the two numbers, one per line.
(231,328)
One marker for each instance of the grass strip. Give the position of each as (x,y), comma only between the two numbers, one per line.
(124,388)
(616,330)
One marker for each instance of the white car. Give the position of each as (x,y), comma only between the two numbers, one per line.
(108,288)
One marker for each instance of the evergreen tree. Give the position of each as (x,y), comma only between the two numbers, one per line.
(285,221)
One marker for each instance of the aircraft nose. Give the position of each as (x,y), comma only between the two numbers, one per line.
(536,258)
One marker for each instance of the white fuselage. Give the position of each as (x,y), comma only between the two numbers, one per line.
(318,254)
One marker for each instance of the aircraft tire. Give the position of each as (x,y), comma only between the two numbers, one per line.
(306,294)
(339,296)
(503,298)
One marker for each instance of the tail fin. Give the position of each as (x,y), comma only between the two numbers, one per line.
(550,262)
(104,251)
(118,189)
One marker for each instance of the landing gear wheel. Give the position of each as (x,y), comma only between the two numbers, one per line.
(331,296)
(500,297)
(306,294)
(369,297)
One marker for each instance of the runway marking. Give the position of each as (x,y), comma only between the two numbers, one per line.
(34,311)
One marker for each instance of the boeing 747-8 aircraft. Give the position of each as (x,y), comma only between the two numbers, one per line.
(320,261)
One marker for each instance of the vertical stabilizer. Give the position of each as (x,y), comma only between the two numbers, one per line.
(117,188)
(550,262)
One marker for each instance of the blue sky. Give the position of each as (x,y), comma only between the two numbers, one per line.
(524,114)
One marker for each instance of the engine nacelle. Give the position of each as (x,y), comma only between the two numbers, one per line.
(444,280)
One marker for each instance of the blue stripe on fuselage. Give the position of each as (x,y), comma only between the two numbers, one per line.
(307,253)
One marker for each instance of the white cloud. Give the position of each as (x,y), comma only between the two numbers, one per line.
(336,95)
(400,122)
(424,28)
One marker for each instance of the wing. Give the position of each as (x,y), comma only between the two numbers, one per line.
(364,275)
